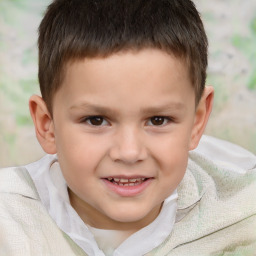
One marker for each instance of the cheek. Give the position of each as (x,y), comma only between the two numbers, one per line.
(79,155)
(80,146)
(173,167)
(172,149)
(172,173)
(79,167)
(172,157)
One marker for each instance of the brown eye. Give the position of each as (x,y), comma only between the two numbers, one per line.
(158,120)
(96,121)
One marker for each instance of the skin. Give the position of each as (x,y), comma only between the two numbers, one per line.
(146,124)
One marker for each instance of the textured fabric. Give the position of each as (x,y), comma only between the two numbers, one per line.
(216,210)
(26,229)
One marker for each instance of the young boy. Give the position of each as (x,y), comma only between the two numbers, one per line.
(123,107)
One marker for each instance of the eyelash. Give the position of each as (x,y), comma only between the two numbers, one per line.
(165,120)
(90,119)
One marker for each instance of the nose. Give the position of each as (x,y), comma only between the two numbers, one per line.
(128,146)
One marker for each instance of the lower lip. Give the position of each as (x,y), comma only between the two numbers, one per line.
(127,191)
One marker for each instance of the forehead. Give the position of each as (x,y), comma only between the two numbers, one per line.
(127,75)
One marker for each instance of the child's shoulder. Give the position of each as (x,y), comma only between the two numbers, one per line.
(222,152)
(25,226)
(224,172)
(223,176)
(220,167)
(17,181)
(18,197)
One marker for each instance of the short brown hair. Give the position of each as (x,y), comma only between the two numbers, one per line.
(75,29)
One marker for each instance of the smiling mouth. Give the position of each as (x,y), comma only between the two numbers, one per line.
(127,182)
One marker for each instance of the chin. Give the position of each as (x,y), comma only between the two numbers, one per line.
(141,217)
(128,218)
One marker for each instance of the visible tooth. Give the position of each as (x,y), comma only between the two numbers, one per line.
(124,180)
(126,184)
(132,184)
(121,184)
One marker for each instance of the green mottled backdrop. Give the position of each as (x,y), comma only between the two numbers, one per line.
(231,27)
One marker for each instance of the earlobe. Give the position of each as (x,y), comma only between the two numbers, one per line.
(202,115)
(43,122)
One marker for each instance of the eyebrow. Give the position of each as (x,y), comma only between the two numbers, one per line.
(177,106)
(96,108)
(104,110)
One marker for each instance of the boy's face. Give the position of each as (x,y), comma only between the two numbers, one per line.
(122,128)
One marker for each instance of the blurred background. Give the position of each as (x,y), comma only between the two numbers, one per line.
(231,28)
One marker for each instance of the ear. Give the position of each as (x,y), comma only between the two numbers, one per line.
(43,122)
(202,114)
